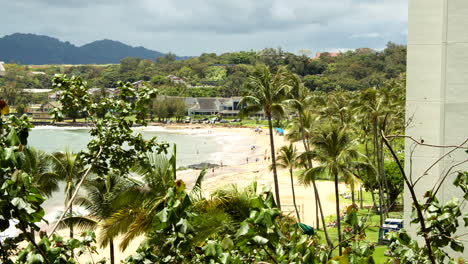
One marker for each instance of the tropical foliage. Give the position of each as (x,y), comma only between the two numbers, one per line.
(130,187)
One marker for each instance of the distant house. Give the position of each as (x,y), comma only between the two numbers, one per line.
(54,96)
(214,106)
(138,84)
(41,111)
(176,79)
(110,92)
(33,73)
(34,91)
(331,54)
(2,69)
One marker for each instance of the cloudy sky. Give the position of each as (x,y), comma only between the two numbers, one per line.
(192,27)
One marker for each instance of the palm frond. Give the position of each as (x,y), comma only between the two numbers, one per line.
(81,222)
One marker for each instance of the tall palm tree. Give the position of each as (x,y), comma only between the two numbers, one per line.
(303,102)
(266,92)
(334,149)
(68,167)
(288,159)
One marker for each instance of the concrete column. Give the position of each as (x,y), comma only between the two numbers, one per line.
(437,94)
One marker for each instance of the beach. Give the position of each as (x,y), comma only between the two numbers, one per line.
(244,159)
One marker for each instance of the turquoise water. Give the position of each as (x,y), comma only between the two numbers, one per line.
(193,146)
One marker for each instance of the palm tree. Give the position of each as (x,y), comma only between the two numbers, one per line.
(37,163)
(334,149)
(67,166)
(138,204)
(302,102)
(288,159)
(267,91)
(98,199)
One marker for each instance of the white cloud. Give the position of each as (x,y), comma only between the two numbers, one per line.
(190,27)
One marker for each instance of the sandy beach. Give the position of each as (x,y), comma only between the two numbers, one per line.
(247,165)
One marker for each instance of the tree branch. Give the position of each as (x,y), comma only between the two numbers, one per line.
(429,145)
(415,201)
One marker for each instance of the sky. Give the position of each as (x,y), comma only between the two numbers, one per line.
(193,27)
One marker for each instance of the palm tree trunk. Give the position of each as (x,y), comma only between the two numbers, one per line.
(361,200)
(294,195)
(317,215)
(329,242)
(318,204)
(111,247)
(353,200)
(338,220)
(70,214)
(379,180)
(273,162)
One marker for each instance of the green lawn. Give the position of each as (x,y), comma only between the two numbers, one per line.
(372,232)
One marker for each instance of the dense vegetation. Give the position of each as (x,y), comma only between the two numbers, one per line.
(211,75)
(344,131)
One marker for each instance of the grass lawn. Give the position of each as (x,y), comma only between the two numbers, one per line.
(372,232)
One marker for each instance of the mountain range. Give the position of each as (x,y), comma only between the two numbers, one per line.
(37,50)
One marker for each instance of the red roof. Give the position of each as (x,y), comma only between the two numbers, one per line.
(331,54)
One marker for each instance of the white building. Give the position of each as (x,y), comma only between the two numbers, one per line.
(437,94)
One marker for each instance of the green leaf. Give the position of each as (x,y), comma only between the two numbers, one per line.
(227,243)
(457,246)
(162,215)
(12,138)
(210,248)
(404,237)
(260,240)
(35,259)
(244,229)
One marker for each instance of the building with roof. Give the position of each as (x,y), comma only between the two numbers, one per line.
(42,111)
(331,54)
(176,79)
(214,106)
(138,84)
(2,69)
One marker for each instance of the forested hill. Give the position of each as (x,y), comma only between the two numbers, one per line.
(225,75)
(39,50)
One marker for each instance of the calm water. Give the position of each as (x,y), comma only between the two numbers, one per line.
(193,145)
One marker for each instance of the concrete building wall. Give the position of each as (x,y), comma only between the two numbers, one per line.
(437,92)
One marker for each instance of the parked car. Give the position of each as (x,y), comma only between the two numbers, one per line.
(235,120)
(224,121)
(188,119)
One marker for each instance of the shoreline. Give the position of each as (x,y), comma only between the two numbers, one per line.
(236,170)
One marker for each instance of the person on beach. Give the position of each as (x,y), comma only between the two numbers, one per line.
(247,159)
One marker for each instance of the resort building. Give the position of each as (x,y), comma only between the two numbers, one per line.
(41,111)
(214,106)
(436,98)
